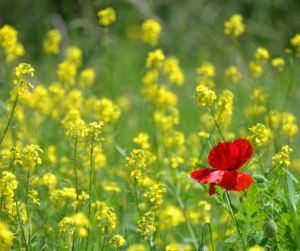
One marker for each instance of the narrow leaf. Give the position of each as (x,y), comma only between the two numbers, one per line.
(212,141)
(197,184)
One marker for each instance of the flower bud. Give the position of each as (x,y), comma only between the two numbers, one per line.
(270,229)
(259,178)
(202,247)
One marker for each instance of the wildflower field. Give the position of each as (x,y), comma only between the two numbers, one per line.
(149,125)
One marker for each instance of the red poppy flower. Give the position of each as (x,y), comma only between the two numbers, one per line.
(227,158)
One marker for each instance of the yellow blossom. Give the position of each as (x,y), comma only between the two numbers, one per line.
(155,59)
(117,240)
(150,31)
(107,16)
(204,95)
(259,134)
(51,43)
(234,26)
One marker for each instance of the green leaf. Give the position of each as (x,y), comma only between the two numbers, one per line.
(291,175)
(241,217)
(197,184)
(250,204)
(256,228)
(231,239)
(291,194)
(260,217)
(212,141)
(200,165)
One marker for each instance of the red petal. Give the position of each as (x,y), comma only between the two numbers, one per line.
(225,155)
(246,151)
(235,181)
(244,181)
(208,175)
(212,189)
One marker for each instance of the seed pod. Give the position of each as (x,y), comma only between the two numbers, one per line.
(270,229)
(203,247)
(259,178)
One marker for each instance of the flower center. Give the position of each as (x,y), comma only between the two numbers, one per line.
(228,169)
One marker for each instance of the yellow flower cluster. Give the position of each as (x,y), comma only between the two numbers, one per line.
(278,63)
(256,248)
(177,246)
(27,158)
(118,241)
(107,219)
(15,209)
(8,184)
(169,217)
(207,70)
(5,236)
(142,140)
(204,95)
(60,196)
(155,59)
(106,110)
(135,163)
(9,41)
(256,67)
(66,225)
(87,78)
(33,197)
(156,194)
(146,224)
(259,99)
(275,119)
(259,134)
(172,69)
(21,84)
(107,16)
(283,157)
(51,43)
(234,26)
(150,31)
(224,108)
(82,199)
(67,70)
(295,41)
(232,74)
(80,222)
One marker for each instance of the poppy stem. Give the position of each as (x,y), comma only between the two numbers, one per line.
(216,123)
(211,239)
(228,201)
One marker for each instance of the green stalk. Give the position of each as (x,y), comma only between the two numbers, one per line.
(260,164)
(290,83)
(228,202)
(211,239)
(28,209)
(76,184)
(217,125)
(90,188)
(105,233)
(20,223)
(10,119)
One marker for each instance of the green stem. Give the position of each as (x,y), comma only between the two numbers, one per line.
(260,164)
(20,223)
(228,201)
(28,208)
(105,233)
(76,184)
(90,188)
(290,83)
(10,119)
(217,125)
(211,239)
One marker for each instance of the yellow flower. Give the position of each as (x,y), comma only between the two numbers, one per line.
(146,224)
(155,59)
(256,68)
(5,236)
(155,195)
(204,95)
(170,217)
(107,16)
(278,63)
(117,240)
(256,248)
(232,74)
(150,31)
(87,78)
(49,180)
(295,41)
(259,134)
(51,43)
(262,53)
(234,26)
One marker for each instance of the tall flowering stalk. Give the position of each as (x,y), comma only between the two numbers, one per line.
(20,89)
